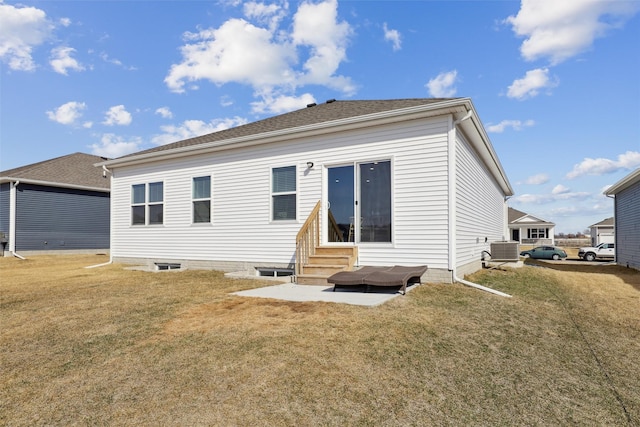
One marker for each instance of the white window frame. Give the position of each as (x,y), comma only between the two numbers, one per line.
(273,194)
(147,204)
(202,199)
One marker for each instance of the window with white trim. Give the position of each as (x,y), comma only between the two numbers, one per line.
(283,193)
(147,203)
(538,233)
(201,195)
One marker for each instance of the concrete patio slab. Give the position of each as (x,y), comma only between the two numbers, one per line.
(302,293)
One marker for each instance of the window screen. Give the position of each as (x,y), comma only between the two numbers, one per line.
(284,193)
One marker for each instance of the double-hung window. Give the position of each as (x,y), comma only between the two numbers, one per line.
(538,233)
(201,194)
(283,193)
(147,203)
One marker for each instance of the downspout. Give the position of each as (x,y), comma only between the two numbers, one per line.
(615,238)
(106,171)
(452,208)
(13,198)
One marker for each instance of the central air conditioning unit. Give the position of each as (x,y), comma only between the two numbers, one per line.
(505,251)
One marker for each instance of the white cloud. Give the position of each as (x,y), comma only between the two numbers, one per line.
(269,14)
(61,60)
(21,30)
(164,112)
(317,26)
(226,101)
(443,85)
(539,179)
(541,199)
(238,52)
(393,36)
(192,128)
(513,124)
(560,189)
(117,115)
(115,61)
(67,114)
(583,209)
(65,22)
(559,30)
(282,104)
(602,166)
(531,84)
(115,146)
(265,57)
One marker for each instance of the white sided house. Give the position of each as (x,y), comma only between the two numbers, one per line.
(389,182)
(603,232)
(530,230)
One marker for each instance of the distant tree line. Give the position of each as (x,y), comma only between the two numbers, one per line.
(579,235)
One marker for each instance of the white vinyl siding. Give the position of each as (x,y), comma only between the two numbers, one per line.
(627,226)
(480,212)
(242,230)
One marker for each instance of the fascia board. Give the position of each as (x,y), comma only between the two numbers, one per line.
(385,117)
(530,220)
(624,183)
(5,179)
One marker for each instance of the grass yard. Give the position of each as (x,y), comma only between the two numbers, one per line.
(108,346)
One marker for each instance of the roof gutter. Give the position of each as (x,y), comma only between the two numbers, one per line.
(5,179)
(428,110)
(623,183)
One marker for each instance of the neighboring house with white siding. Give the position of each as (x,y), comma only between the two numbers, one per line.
(56,204)
(401,182)
(626,213)
(528,229)
(603,232)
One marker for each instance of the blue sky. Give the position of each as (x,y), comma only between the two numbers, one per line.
(556,83)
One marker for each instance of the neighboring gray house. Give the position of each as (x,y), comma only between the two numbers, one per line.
(626,213)
(603,232)
(57,204)
(530,230)
(388,182)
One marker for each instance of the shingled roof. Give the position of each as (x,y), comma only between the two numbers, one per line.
(73,170)
(514,215)
(313,114)
(607,222)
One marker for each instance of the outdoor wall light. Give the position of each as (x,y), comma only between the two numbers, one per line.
(309,165)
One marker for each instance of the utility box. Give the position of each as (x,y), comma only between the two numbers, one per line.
(505,251)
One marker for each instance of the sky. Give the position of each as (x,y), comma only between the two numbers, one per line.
(556,83)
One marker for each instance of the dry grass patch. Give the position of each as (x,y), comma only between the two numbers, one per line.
(112,346)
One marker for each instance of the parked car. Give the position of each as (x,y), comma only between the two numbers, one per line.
(544,252)
(602,251)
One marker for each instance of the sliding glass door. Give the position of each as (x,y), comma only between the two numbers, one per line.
(359,203)
(340,212)
(375,201)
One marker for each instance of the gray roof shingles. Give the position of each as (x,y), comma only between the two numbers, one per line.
(514,215)
(75,169)
(320,113)
(607,222)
